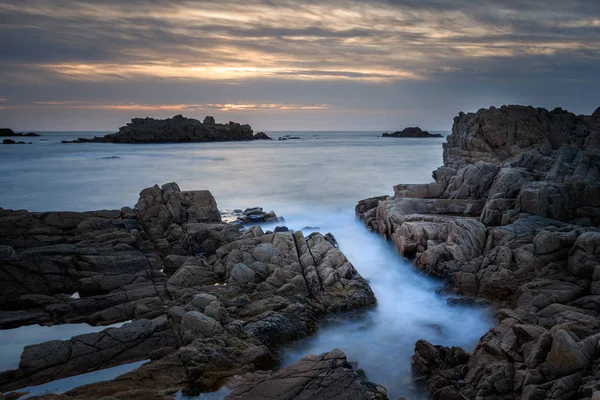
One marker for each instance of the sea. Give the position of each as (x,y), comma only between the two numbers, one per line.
(314,181)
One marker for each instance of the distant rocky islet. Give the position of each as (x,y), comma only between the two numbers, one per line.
(6,132)
(412,132)
(178,129)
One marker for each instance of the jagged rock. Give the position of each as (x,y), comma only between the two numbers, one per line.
(326,376)
(531,177)
(223,305)
(564,357)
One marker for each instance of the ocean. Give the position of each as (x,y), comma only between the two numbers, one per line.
(312,182)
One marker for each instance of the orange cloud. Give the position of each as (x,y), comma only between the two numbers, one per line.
(174,107)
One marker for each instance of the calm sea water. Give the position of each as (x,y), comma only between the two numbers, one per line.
(315,181)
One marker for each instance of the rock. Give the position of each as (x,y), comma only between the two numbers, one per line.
(197,325)
(8,141)
(200,301)
(412,132)
(208,302)
(178,129)
(6,132)
(564,357)
(257,215)
(241,275)
(288,137)
(261,136)
(56,359)
(326,376)
(512,218)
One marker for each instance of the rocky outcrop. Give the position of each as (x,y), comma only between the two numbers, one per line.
(6,132)
(261,136)
(209,300)
(512,217)
(326,376)
(178,129)
(10,141)
(411,132)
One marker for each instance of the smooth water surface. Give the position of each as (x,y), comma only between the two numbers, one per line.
(313,182)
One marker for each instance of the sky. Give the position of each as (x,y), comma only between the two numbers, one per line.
(292,65)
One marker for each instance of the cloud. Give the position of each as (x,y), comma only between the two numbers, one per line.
(348,54)
(75,105)
(232,40)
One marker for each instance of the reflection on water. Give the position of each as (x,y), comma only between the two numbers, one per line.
(310,182)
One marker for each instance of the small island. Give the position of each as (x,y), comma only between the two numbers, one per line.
(178,129)
(6,132)
(411,132)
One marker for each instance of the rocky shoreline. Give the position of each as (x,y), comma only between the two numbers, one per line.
(513,218)
(178,129)
(207,300)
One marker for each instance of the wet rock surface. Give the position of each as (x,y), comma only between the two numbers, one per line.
(178,129)
(208,300)
(512,218)
(326,376)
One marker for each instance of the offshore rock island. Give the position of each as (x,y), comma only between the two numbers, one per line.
(178,129)
(412,132)
(512,218)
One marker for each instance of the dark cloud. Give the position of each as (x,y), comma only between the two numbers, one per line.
(376,63)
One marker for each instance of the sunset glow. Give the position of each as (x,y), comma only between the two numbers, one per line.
(348,54)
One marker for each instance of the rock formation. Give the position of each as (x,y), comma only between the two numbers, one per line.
(261,136)
(208,300)
(326,376)
(10,141)
(512,217)
(178,129)
(411,132)
(6,132)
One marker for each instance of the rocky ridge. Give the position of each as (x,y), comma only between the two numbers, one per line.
(178,129)
(512,217)
(411,132)
(207,300)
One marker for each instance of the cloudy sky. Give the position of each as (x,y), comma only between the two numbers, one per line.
(292,65)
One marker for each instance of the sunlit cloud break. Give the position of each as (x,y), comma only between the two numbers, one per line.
(335,64)
(174,107)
